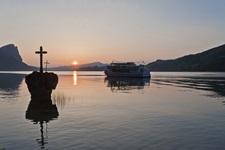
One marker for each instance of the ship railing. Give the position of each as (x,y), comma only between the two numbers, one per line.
(138,63)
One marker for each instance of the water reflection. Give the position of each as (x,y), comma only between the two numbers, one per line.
(75,78)
(41,111)
(213,84)
(9,84)
(126,85)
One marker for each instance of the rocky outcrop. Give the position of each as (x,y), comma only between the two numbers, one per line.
(40,85)
(41,109)
(12,51)
(10,59)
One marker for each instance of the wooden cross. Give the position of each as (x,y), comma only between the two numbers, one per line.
(41,52)
(46,63)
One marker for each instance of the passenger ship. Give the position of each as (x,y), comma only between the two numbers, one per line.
(127,69)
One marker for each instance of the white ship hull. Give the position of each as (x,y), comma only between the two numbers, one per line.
(124,74)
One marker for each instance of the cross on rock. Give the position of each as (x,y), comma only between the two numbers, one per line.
(46,63)
(41,52)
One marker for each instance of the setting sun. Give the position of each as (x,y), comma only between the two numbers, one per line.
(75,63)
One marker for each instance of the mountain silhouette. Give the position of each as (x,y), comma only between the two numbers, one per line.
(209,60)
(97,66)
(10,59)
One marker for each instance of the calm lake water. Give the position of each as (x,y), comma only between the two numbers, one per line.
(170,111)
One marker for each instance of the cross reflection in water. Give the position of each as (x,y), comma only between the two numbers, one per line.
(41,111)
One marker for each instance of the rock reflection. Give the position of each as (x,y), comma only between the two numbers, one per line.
(9,84)
(126,85)
(41,111)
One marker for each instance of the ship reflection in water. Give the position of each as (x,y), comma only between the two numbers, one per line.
(41,111)
(126,85)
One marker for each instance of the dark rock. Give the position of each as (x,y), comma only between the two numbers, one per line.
(40,85)
(12,51)
(10,59)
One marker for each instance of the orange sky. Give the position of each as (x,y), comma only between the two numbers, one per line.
(106,30)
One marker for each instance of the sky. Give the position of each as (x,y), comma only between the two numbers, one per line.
(106,30)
